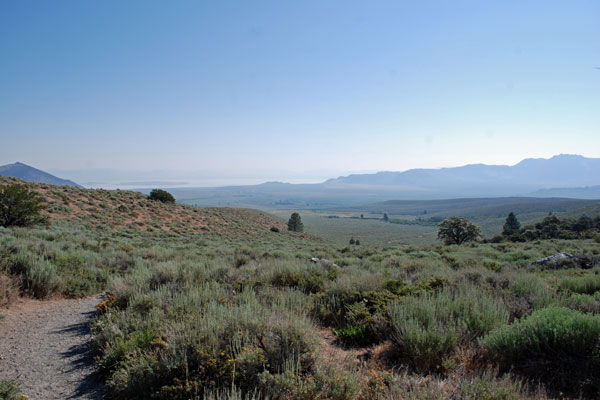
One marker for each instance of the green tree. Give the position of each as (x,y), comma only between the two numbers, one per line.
(457,230)
(161,195)
(20,207)
(583,223)
(352,240)
(385,217)
(357,242)
(511,225)
(295,223)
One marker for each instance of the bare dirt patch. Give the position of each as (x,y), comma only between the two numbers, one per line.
(47,346)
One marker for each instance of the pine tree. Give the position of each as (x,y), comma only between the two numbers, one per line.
(511,225)
(295,223)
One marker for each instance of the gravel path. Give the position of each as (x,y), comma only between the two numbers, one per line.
(46,344)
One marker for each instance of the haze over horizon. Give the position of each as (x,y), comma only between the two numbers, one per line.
(299,92)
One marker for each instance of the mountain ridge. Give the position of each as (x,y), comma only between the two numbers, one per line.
(31,174)
(530,174)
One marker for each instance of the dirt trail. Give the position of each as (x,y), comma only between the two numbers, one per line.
(46,344)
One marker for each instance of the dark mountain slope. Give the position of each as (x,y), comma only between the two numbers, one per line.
(30,174)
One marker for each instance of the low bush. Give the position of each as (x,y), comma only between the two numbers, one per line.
(161,195)
(588,283)
(583,302)
(354,335)
(485,385)
(9,390)
(427,329)
(181,341)
(9,289)
(557,344)
(38,277)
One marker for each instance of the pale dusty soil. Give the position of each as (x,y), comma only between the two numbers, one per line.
(46,345)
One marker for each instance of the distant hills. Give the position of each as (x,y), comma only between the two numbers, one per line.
(562,171)
(30,174)
(577,177)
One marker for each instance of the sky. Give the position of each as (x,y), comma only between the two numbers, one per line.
(226,91)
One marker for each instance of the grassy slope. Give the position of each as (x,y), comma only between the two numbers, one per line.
(132,212)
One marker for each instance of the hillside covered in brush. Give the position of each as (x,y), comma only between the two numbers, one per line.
(103,210)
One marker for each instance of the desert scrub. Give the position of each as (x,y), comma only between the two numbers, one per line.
(310,278)
(557,344)
(582,302)
(9,390)
(486,385)
(326,382)
(38,276)
(527,292)
(427,329)
(356,304)
(194,339)
(588,283)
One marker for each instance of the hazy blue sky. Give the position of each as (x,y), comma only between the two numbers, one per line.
(289,89)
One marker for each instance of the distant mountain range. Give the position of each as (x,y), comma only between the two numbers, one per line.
(30,174)
(564,175)
(563,171)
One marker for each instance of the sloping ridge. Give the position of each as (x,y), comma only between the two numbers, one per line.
(100,209)
(30,174)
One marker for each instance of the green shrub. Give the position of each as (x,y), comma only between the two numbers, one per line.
(527,292)
(423,331)
(37,276)
(584,284)
(20,207)
(354,335)
(489,387)
(557,344)
(326,383)
(583,302)
(206,336)
(161,195)
(428,328)
(9,390)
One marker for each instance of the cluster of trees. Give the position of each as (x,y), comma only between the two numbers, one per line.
(457,230)
(551,227)
(355,242)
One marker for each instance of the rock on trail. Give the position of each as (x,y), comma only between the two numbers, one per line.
(47,346)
